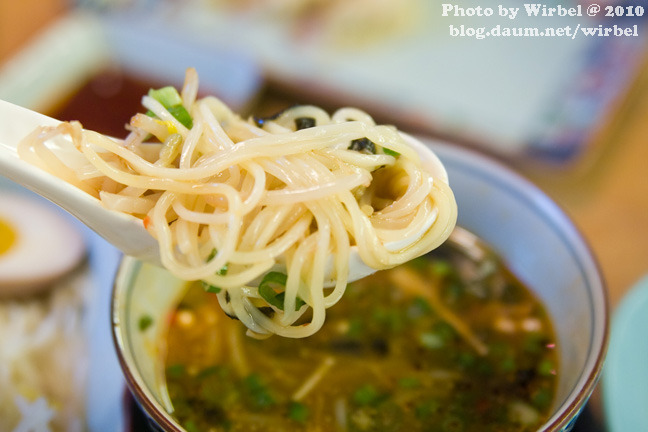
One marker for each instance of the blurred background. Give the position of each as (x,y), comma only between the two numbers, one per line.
(566,113)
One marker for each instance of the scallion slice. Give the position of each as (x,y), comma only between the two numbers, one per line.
(171,100)
(269,294)
(390,152)
(168,96)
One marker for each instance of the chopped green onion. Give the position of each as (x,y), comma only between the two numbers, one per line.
(269,294)
(171,100)
(298,301)
(145,322)
(441,268)
(418,308)
(258,392)
(546,368)
(445,331)
(419,264)
(212,254)
(190,426)
(298,412)
(223,270)
(542,398)
(422,304)
(175,371)
(209,370)
(366,395)
(427,408)
(210,288)
(466,360)
(534,342)
(390,152)
(363,145)
(182,115)
(391,319)
(508,364)
(409,382)
(355,327)
(168,96)
(304,122)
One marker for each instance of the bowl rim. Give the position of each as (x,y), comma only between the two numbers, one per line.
(151,408)
(565,414)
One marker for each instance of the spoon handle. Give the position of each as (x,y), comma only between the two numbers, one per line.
(17,123)
(124,231)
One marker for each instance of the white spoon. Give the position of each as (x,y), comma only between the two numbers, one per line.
(122,230)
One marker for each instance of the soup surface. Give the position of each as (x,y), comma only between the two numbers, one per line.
(439,344)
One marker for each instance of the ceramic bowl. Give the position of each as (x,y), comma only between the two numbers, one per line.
(533,236)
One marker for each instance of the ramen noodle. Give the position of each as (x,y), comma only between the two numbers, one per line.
(267,213)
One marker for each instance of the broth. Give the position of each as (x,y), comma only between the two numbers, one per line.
(439,344)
